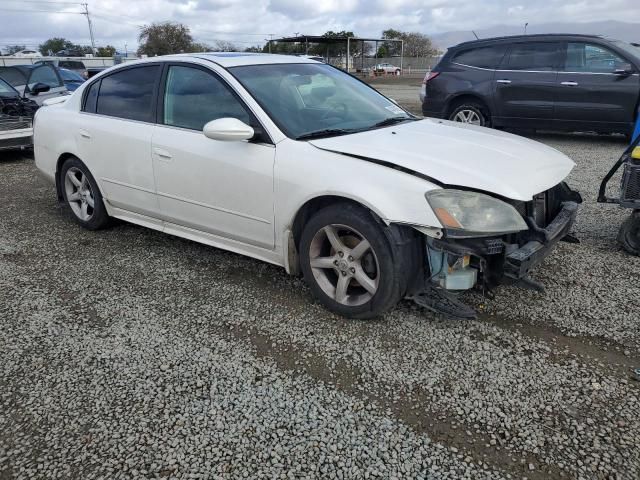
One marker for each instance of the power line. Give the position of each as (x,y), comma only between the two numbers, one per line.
(44,1)
(37,11)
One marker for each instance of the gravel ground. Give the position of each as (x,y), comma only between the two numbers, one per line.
(127,353)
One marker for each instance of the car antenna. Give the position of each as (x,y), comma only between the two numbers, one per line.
(475,35)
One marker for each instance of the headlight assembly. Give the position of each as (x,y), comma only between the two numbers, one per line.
(465,214)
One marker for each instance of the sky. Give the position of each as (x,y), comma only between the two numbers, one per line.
(250,22)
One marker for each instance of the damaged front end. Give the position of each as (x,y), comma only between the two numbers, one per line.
(460,259)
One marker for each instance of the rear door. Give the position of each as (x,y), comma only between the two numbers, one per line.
(48,75)
(592,95)
(525,84)
(114,138)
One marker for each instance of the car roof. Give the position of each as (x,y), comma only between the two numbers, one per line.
(234,59)
(519,38)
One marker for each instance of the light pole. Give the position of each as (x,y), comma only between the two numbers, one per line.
(525,27)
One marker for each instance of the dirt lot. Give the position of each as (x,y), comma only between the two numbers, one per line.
(127,353)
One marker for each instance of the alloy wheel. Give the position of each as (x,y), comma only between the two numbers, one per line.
(79,194)
(344,265)
(468,116)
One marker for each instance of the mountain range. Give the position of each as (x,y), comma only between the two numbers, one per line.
(629,32)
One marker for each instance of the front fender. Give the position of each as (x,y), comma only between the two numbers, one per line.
(303,172)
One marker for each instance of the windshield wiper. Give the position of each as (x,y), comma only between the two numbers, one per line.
(328,132)
(391,121)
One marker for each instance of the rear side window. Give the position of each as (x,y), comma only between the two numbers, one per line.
(482,57)
(534,56)
(71,65)
(129,94)
(91,98)
(44,74)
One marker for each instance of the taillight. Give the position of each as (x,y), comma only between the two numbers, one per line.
(430,76)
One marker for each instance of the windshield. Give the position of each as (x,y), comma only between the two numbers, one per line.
(7,90)
(309,99)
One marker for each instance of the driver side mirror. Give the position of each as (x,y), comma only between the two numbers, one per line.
(39,88)
(228,130)
(624,69)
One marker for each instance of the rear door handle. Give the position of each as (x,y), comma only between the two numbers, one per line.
(163,154)
(570,84)
(506,82)
(85,134)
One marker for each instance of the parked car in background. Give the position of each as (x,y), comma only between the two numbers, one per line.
(71,79)
(299,164)
(73,65)
(554,82)
(36,82)
(16,116)
(387,68)
(27,54)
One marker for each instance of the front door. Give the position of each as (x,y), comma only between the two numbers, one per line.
(525,84)
(221,188)
(593,95)
(45,74)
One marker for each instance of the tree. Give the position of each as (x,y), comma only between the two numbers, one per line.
(415,44)
(164,38)
(254,49)
(54,45)
(224,46)
(200,47)
(11,49)
(108,51)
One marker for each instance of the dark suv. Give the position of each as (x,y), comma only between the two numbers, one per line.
(555,82)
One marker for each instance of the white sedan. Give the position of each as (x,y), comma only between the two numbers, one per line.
(301,165)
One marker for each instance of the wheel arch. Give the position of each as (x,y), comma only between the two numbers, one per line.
(63,157)
(461,98)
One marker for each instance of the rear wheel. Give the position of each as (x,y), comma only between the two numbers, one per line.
(82,195)
(350,264)
(470,112)
(629,235)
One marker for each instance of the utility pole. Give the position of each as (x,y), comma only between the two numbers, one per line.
(86,12)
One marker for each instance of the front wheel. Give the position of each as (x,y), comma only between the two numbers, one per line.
(629,235)
(350,264)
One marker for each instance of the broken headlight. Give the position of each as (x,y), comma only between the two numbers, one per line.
(465,214)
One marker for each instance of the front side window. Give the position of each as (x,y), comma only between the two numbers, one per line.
(129,94)
(307,99)
(541,57)
(44,74)
(194,97)
(586,57)
(483,57)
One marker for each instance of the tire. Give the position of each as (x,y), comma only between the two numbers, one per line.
(629,234)
(80,193)
(348,277)
(471,112)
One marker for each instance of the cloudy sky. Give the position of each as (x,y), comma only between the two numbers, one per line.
(249,22)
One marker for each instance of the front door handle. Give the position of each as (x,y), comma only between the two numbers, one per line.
(163,154)
(506,82)
(85,134)
(570,84)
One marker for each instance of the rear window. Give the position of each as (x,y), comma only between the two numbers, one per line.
(129,94)
(538,56)
(482,57)
(71,64)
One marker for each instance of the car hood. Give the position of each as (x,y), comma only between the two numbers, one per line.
(457,154)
